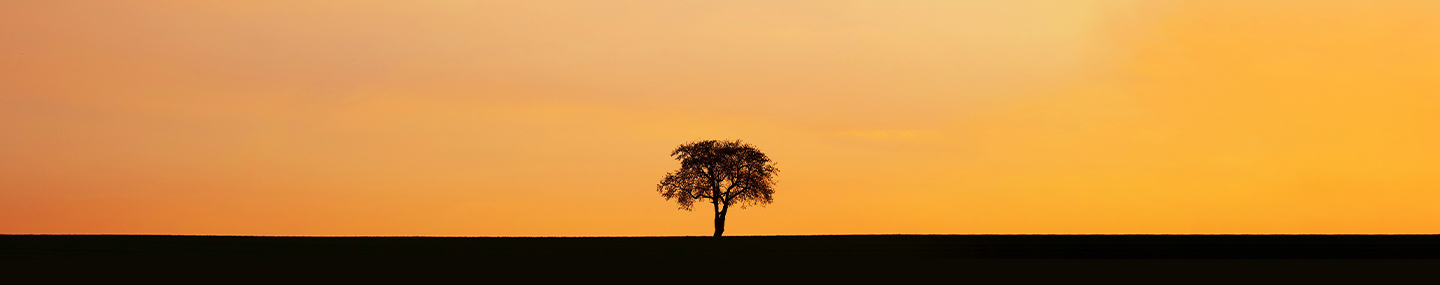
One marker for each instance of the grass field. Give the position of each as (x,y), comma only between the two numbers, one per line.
(894,246)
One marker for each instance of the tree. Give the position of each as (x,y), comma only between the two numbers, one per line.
(726,173)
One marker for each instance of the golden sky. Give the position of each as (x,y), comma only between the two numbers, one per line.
(557,117)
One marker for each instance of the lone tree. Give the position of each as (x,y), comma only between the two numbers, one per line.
(726,173)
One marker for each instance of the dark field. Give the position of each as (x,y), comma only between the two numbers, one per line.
(901,246)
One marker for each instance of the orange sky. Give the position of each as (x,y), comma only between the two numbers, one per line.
(557,118)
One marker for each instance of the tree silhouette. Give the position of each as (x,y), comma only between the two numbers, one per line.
(727,173)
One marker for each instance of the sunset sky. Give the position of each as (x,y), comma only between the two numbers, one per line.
(557,118)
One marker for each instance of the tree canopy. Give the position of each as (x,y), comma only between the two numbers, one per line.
(722,172)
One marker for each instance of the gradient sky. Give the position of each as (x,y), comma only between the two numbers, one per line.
(557,117)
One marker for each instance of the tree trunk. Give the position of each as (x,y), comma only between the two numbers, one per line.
(719,224)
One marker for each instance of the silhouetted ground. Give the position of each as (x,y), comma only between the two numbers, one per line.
(901,246)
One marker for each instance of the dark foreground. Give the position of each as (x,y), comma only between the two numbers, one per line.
(902,246)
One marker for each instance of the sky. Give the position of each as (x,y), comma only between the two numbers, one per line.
(557,118)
